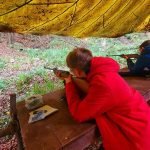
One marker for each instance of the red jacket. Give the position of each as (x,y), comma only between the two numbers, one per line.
(121,113)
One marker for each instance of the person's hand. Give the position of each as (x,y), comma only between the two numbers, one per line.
(124,56)
(68,79)
(58,74)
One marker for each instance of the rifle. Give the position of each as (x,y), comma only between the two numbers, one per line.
(128,55)
(81,83)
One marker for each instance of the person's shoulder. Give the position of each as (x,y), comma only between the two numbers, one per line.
(143,58)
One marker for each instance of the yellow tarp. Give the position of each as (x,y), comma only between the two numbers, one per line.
(78,18)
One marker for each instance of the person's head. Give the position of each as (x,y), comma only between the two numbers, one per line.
(78,60)
(144,46)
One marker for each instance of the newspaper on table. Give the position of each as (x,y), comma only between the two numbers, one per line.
(41,113)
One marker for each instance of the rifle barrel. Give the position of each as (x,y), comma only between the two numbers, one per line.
(49,68)
(129,55)
(113,55)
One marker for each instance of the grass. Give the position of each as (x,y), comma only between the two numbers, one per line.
(23,80)
(3,84)
(2,63)
(43,88)
(39,81)
(52,57)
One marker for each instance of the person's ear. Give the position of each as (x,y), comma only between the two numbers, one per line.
(80,72)
(76,72)
(141,49)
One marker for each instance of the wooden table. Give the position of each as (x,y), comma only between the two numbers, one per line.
(57,131)
(60,131)
(142,84)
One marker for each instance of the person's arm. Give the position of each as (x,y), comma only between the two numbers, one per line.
(97,101)
(130,64)
(137,67)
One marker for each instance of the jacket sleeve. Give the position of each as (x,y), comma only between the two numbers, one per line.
(137,67)
(97,101)
(130,64)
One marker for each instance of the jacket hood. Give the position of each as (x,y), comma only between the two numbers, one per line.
(101,65)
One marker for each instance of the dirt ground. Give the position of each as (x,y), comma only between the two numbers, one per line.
(11,55)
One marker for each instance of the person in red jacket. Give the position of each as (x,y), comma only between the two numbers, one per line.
(121,113)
